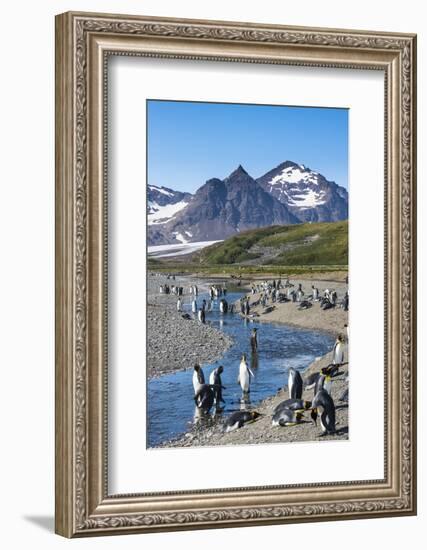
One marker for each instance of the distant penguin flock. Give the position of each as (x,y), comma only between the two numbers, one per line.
(198,311)
(277,291)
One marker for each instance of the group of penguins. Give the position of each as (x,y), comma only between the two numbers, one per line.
(272,290)
(289,412)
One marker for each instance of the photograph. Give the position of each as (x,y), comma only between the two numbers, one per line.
(247,243)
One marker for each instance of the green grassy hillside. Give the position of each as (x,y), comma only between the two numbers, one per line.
(308,244)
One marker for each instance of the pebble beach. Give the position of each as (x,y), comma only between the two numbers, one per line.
(174,343)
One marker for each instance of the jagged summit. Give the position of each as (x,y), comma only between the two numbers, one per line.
(238,173)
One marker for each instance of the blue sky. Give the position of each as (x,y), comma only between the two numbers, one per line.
(189,143)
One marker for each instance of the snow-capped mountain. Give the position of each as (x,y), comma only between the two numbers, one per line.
(307,193)
(290,193)
(163,204)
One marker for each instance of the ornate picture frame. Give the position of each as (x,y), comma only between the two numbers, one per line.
(84,506)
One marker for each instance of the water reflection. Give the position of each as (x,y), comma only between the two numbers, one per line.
(245,402)
(254,361)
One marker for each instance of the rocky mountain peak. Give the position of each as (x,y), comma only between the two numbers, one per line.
(238,175)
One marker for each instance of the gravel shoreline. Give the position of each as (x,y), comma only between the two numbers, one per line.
(174,343)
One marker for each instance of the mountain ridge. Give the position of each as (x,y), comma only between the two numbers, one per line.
(288,194)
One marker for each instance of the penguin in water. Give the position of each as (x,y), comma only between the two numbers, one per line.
(245,373)
(327,417)
(295,384)
(338,351)
(254,340)
(201,316)
(194,306)
(198,378)
(239,418)
(287,417)
(215,380)
(205,397)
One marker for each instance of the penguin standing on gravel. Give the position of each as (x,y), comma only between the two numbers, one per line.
(347,330)
(295,384)
(338,351)
(245,373)
(345,302)
(198,378)
(323,381)
(327,416)
(194,306)
(310,380)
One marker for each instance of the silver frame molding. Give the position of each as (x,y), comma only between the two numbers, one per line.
(83,43)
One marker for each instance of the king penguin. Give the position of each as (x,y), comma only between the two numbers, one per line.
(245,374)
(293,405)
(205,397)
(327,417)
(215,380)
(198,378)
(295,384)
(338,351)
(287,417)
(239,418)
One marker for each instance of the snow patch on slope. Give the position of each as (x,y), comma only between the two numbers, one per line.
(161,190)
(308,199)
(162,214)
(295,174)
(180,237)
(168,250)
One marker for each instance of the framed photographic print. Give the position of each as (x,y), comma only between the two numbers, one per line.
(235,274)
